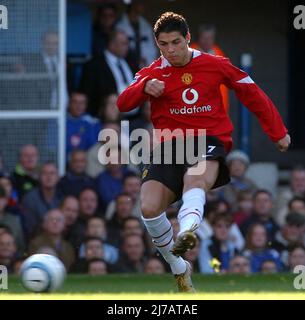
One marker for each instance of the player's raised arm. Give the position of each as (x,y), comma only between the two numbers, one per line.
(134,95)
(254,98)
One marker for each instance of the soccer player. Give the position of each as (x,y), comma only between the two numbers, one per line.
(183,88)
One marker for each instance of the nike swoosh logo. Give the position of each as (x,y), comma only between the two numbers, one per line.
(166,75)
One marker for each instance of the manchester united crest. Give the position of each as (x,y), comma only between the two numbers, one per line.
(187,78)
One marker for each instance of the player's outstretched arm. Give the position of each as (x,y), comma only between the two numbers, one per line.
(254,98)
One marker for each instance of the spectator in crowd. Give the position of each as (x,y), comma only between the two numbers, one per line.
(132,257)
(88,203)
(94,249)
(205,230)
(133,225)
(223,206)
(47,61)
(11,194)
(262,213)
(82,129)
(131,186)
(296,188)
(268,267)
(40,200)
(52,236)
(88,207)
(25,175)
(13,205)
(296,204)
(257,248)
(70,209)
(206,40)
(291,234)
(76,179)
(296,257)
(96,227)
(11,221)
(50,64)
(4,228)
(154,266)
(239,265)
(107,73)
(8,250)
(238,163)
(142,49)
(97,267)
(214,195)
(109,111)
(123,210)
(206,43)
(110,181)
(244,207)
(106,18)
(219,246)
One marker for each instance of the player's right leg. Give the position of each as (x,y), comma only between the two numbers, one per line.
(212,173)
(191,213)
(155,199)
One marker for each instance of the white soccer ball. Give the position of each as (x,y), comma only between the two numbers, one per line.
(42,273)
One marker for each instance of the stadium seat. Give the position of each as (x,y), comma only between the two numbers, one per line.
(265,175)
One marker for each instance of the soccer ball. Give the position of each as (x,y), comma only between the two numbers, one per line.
(42,273)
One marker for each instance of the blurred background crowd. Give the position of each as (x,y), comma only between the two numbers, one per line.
(90,215)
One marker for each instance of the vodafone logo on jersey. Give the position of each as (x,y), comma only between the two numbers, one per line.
(190,96)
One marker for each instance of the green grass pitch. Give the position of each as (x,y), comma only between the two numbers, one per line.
(155,287)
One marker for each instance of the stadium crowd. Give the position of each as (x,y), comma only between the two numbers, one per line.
(90,217)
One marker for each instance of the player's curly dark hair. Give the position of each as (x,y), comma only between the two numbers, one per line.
(170,22)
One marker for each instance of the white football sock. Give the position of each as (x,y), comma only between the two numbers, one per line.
(191,213)
(161,231)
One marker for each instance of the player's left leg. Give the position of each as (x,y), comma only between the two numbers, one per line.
(191,213)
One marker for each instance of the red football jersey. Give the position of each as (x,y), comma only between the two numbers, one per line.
(192,98)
